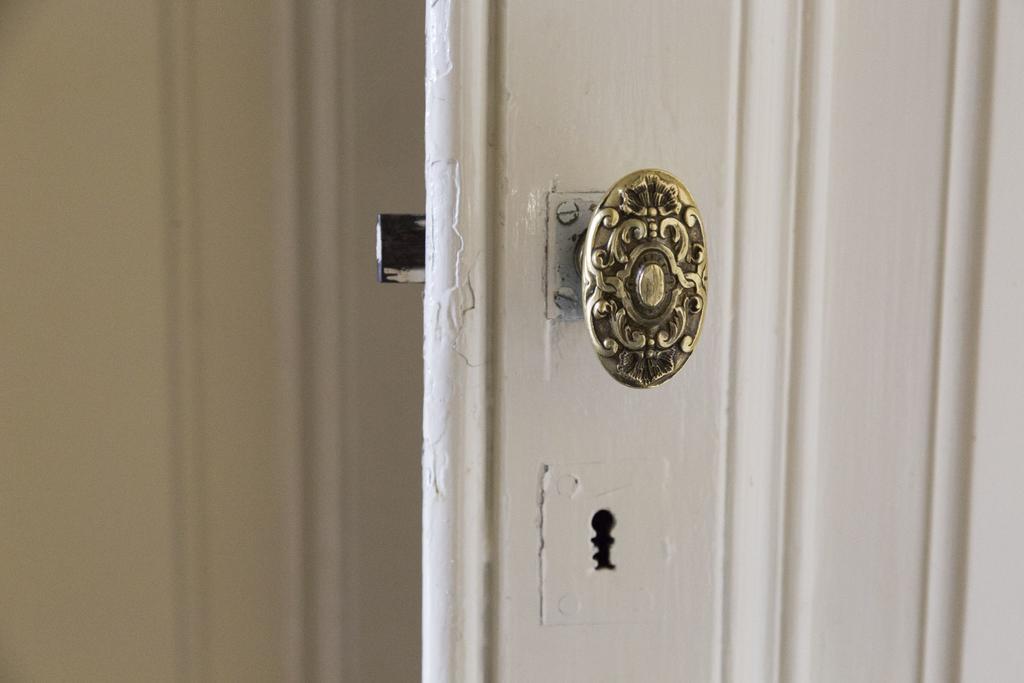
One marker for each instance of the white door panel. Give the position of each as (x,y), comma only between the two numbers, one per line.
(994,596)
(814,448)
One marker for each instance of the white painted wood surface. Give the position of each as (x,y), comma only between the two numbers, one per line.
(456,409)
(993,602)
(840,453)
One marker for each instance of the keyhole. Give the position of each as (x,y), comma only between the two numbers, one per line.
(603,522)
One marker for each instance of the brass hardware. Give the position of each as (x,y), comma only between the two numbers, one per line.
(645,278)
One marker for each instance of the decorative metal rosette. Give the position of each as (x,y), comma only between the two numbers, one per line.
(645,278)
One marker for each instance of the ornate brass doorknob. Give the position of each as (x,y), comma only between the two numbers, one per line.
(645,278)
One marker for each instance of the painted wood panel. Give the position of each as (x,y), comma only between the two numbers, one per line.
(855,608)
(817,448)
(552,402)
(611,104)
(994,587)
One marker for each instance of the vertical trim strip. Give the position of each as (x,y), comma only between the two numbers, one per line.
(808,340)
(723,641)
(325,437)
(456,360)
(495,133)
(945,552)
(310,168)
(184,344)
(288,308)
(765,155)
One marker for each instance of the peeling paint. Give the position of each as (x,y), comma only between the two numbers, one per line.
(536,211)
(455,516)
(439,61)
(545,479)
(444,190)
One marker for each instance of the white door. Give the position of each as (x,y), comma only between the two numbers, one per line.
(827,490)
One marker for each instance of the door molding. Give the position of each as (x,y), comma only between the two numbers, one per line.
(457,476)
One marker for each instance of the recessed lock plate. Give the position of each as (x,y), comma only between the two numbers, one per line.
(617,573)
(645,278)
(568,217)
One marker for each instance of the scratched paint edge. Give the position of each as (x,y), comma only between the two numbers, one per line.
(456,363)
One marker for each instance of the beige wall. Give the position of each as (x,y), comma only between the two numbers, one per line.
(382,105)
(162,516)
(87,574)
